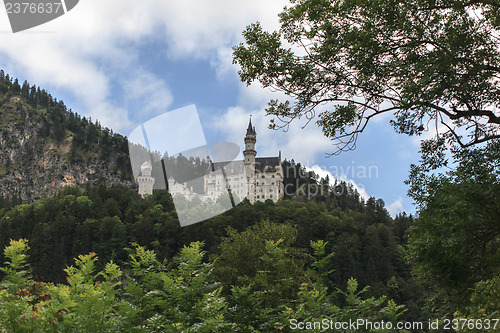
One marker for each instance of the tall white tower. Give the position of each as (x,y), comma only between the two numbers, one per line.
(145,180)
(249,154)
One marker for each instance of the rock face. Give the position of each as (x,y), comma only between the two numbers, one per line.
(43,149)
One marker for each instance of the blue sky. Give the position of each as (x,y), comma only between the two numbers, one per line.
(125,62)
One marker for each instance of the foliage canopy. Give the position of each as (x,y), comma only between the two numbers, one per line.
(428,62)
(148,295)
(454,242)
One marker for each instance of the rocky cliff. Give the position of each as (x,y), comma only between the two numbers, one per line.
(44,147)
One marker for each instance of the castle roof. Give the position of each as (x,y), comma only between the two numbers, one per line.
(220,165)
(250,129)
(146,165)
(263,164)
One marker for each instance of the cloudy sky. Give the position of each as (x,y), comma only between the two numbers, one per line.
(125,62)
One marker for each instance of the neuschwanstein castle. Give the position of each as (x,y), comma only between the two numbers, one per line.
(256,178)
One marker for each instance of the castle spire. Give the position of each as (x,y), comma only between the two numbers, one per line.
(250,140)
(250,129)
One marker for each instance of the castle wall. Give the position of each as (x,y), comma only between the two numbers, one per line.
(257,180)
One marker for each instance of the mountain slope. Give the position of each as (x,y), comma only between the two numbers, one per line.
(44,146)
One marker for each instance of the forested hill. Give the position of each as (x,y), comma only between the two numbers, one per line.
(64,164)
(45,146)
(365,243)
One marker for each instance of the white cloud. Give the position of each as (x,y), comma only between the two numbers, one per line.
(322,172)
(92,49)
(223,63)
(148,94)
(109,115)
(255,96)
(395,207)
(197,27)
(66,58)
(305,144)
(430,132)
(384,117)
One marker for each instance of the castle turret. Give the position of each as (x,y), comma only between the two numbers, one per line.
(145,180)
(250,140)
(249,154)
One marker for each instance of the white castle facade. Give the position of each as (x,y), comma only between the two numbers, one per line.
(145,180)
(256,178)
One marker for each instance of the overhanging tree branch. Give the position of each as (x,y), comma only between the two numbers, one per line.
(414,55)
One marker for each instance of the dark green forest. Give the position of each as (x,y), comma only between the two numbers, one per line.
(254,268)
(360,241)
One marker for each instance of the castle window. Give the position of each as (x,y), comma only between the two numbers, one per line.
(272,176)
(257,197)
(272,183)
(263,176)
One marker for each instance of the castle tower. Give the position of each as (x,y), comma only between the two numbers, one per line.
(145,180)
(249,154)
